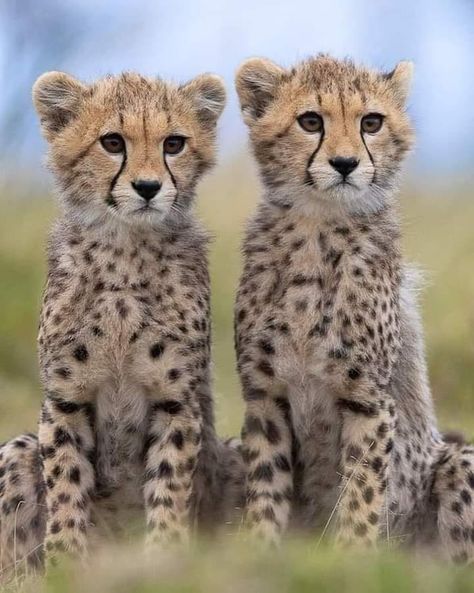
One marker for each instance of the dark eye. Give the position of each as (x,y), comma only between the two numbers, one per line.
(174,144)
(311,122)
(371,123)
(113,143)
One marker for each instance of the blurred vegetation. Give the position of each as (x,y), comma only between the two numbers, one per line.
(438,235)
(238,568)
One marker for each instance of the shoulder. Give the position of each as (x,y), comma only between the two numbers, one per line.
(62,236)
(263,220)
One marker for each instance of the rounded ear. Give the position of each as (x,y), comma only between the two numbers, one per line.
(207,92)
(257,81)
(57,98)
(400,80)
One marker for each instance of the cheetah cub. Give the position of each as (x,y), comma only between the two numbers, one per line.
(339,432)
(124,343)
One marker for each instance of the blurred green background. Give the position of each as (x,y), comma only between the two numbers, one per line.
(438,230)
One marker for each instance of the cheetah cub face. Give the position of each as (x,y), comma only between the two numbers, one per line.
(326,130)
(128,148)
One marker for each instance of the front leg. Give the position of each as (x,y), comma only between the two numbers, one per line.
(366,443)
(66,447)
(267,452)
(171,456)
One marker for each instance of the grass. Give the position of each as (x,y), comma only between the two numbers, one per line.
(237,568)
(438,235)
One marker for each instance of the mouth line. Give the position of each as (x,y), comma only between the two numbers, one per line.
(344,183)
(146,208)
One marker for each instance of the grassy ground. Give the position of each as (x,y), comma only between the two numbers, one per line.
(438,235)
(237,569)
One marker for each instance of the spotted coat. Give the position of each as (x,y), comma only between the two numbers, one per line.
(339,433)
(127,422)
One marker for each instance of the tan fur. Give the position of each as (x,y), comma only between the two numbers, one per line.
(339,431)
(145,111)
(124,342)
(342,94)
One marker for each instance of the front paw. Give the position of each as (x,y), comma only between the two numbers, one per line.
(356,536)
(264,533)
(162,538)
(58,549)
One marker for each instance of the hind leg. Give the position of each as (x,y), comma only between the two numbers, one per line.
(22,508)
(453,491)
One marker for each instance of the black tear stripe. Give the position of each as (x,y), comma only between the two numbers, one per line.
(173,180)
(371,159)
(110,199)
(308,178)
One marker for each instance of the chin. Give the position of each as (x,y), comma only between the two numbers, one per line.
(343,192)
(358,200)
(146,217)
(135,213)
(346,198)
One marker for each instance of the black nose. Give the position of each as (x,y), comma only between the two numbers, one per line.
(344,165)
(146,189)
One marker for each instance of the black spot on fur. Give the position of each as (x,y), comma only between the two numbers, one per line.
(157,350)
(177,439)
(122,308)
(373,518)
(48,452)
(354,504)
(66,407)
(75,475)
(174,374)
(354,373)
(266,346)
(266,368)
(63,372)
(80,353)
(55,527)
(357,407)
(368,495)
(470,479)
(272,433)
(170,406)
(466,497)
(61,437)
(360,529)
(263,473)
(282,463)
(377,464)
(164,470)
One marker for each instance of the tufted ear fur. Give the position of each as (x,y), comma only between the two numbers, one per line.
(400,81)
(257,81)
(208,94)
(57,98)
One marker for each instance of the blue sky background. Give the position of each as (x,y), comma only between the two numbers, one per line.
(177,39)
